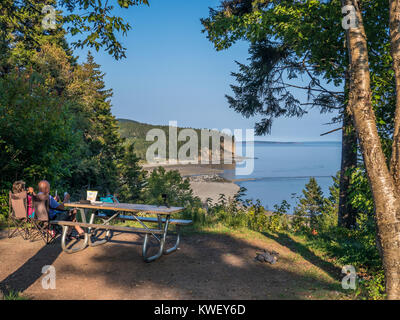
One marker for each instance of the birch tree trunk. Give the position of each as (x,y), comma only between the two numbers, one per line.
(387,205)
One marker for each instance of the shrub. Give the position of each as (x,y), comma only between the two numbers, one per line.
(3,207)
(170,183)
(372,286)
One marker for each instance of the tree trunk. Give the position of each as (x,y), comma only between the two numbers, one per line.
(394,24)
(346,212)
(387,205)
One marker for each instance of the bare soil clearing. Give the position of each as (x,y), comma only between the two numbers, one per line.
(207,266)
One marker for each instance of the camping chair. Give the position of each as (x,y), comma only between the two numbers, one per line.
(18,215)
(41,221)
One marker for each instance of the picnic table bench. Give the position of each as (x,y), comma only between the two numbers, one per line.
(109,212)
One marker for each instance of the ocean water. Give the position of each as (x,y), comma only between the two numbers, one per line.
(282,169)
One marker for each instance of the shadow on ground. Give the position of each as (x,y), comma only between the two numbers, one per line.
(299,248)
(207,266)
(31,270)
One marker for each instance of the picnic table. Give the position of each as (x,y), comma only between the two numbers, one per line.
(108,212)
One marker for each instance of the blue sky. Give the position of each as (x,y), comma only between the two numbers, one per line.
(172,72)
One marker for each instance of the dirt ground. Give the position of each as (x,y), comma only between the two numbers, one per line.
(207,266)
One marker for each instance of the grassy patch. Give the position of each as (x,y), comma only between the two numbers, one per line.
(13,295)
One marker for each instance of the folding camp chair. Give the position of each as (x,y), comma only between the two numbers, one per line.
(41,221)
(18,215)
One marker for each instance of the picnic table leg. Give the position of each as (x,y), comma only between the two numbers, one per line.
(99,242)
(162,243)
(83,215)
(178,239)
(64,236)
(72,250)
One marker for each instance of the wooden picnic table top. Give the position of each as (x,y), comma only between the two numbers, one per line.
(126,207)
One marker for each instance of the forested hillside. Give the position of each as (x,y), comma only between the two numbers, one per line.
(135,132)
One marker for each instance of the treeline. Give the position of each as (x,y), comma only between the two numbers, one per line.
(55,116)
(56,121)
(135,132)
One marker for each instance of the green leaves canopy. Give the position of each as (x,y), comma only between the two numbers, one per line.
(92,20)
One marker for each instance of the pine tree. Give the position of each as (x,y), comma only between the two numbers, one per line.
(132,178)
(329,216)
(332,202)
(100,129)
(312,203)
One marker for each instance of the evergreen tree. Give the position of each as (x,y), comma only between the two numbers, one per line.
(329,216)
(56,120)
(311,204)
(332,202)
(55,115)
(132,178)
(293,39)
(104,149)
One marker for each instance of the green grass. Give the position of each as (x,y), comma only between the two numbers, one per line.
(13,295)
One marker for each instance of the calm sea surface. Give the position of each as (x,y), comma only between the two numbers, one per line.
(282,169)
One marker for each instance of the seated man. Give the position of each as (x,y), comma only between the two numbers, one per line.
(55,212)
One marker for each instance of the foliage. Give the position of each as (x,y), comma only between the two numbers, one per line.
(176,189)
(293,39)
(37,133)
(351,247)
(92,22)
(14,295)
(232,213)
(132,178)
(55,115)
(311,205)
(372,286)
(360,192)
(3,207)
(135,132)
(284,46)
(329,217)
(103,147)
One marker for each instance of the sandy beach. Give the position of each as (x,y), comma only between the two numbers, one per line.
(204,179)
